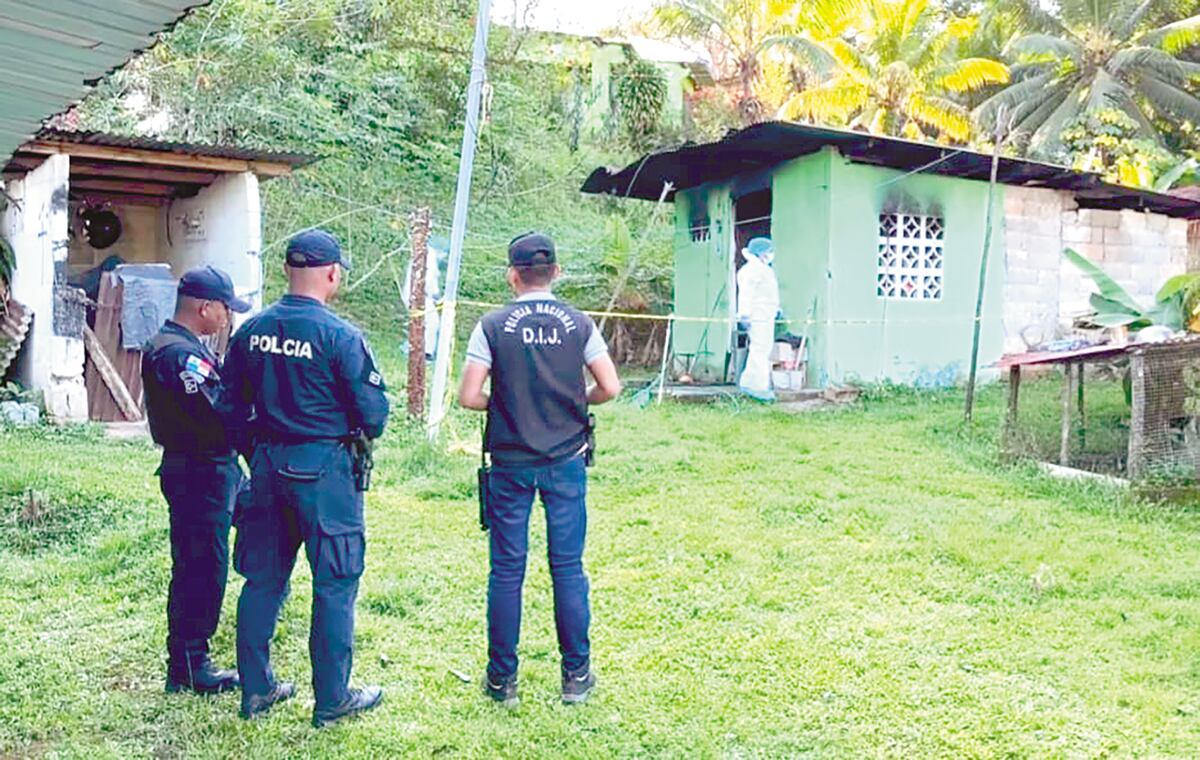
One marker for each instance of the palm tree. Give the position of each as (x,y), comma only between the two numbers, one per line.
(1091,56)
(890,68)
(732,31)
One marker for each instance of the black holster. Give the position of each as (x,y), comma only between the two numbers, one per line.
(362,461)
(484,478)
(484,475)
(589,456)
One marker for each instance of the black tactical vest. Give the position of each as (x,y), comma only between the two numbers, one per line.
(180,422)
(538,409)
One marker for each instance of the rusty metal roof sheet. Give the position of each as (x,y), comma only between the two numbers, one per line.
(106,140)
(55,51)
(766,145)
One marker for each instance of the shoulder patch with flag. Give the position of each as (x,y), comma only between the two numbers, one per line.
(198,367)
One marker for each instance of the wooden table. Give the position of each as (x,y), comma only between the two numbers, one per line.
(1072,363)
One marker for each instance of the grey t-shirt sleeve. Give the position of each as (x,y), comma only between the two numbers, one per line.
(596,347)
(478,350)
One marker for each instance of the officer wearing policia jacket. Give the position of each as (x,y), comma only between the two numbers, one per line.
(199,475)
(535,351)
(304,396)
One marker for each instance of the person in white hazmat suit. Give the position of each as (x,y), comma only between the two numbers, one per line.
(758,306)
(436,253)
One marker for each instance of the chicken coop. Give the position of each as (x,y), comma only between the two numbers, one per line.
(1131,411)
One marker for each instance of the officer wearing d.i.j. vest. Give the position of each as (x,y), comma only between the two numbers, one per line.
(535,351)
(199,475)
(303,385)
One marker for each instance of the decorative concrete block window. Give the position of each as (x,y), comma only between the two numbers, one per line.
(911,257)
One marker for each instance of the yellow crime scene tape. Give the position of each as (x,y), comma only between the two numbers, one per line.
(441,306)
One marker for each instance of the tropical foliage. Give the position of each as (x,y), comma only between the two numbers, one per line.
(8,266)
(374,89)
(1107,142)
(733,31)
(1049,77)
(894,68)
(638,99)
(1093,55)
(1175,306)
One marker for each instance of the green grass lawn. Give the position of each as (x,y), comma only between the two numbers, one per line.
(864,582)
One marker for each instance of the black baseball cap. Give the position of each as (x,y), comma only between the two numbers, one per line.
(531,249)
(211,284)
(315,248)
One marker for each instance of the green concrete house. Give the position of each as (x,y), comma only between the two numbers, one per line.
(879,243)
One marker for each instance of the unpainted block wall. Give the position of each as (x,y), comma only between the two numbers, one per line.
(1033,226)
(1045,293)
(1140,251)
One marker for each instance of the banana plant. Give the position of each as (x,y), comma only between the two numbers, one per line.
(1176,304)
(8,265)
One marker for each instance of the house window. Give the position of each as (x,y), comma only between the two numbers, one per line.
(911,255)
(699,224)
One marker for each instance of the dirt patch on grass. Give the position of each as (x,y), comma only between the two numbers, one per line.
(32,521)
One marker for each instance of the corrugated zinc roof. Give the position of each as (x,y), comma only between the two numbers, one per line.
(106,140)
(766,145)
(55,50)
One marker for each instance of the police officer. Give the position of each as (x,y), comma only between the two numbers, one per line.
(315,393)
(535,350)
(199,475)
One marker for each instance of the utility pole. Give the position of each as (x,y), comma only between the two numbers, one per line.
(462,199)
(416,324)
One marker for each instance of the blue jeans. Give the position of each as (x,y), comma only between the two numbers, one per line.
(563,489)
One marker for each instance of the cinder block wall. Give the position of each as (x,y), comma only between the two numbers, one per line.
(1034,239)
(1044,292)
(1140,251)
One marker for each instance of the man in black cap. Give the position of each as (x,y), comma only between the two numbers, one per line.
(535,350)
(199,475)
(304,388)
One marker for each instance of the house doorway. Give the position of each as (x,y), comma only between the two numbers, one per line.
(752,218)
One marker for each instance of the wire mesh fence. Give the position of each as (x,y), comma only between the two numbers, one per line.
(1135,414)
(1165,421)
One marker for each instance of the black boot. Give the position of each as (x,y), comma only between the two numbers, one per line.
(254,706)
(357,701)
(578,686)
(502,690)
(199,675)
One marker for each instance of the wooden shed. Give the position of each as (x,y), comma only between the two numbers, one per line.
(90,213)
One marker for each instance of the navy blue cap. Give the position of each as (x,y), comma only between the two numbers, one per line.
(531,249)
(211,284)
(315,248)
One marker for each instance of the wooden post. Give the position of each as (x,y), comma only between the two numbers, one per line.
(1079,408)
(1014,395)
(1137,421)
(110,376)
(419,236)
(662,370)
(983,269)
(1064,453)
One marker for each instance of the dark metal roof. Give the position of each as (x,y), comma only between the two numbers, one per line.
(764,145)
(104,140)
(54,50)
